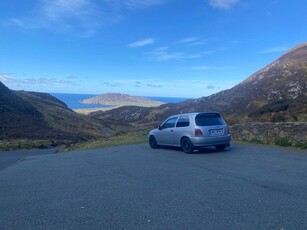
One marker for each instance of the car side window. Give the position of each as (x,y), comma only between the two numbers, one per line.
(183,121)
(170,123)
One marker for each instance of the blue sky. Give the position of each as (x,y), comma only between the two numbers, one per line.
(171,48)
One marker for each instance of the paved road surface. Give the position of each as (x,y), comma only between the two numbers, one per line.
(135,187)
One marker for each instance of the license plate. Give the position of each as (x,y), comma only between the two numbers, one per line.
(216,131)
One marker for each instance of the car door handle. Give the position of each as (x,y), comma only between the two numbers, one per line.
(172,130)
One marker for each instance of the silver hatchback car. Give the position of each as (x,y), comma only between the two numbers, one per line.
(190,131)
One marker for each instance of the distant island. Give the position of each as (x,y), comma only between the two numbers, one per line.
(118,99)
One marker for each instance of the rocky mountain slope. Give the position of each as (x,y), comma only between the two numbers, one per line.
(117,99)
(17,115)
(278,92)
(30,115)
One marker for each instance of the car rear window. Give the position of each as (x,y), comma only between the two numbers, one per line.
(209,119)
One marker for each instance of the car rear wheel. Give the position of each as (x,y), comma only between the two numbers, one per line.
(153,142)
(220,147)
(187,145)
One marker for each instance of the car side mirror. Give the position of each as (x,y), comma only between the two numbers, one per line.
(159,127)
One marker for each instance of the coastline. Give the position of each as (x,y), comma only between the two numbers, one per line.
(73,101)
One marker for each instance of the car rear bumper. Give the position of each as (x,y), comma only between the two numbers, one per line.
(210,141)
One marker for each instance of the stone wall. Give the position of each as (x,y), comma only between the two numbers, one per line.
(270,132)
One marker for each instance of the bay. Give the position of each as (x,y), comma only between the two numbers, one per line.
(73,101)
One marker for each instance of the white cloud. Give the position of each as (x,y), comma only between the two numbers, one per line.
(6,78)
(82,16)
(111,84)
(34,81)
(206,68)
(137,4)
(223,4)
(164,54)
(141,43)
(193,41)
(61,16)
(196,68)
(134,4)
(276,49)
(46,81)
(154,86)
(59,9)
(173,88)
(212,87)
(188,40)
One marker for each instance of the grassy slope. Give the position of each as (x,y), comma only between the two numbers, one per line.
(65,121)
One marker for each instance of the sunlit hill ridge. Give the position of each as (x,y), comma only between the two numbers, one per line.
(277,93)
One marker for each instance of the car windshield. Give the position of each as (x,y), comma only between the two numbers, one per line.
(209,119)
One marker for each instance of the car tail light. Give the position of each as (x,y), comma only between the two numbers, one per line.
(198,132)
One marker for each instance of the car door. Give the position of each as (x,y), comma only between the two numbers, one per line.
(181,129)
(165,133)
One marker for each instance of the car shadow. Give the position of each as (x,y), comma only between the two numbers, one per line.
(204,150)
(209,150)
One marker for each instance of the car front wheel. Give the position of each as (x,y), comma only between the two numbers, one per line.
(187,145)
(153,142)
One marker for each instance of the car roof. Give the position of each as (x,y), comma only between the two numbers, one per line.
(193,114)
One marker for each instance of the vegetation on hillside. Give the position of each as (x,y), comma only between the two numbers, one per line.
(276,93)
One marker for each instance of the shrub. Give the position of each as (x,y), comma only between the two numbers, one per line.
(283,142)
(256,141)
(301,144)
(278,117)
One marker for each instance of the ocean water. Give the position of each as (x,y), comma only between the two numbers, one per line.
(73,100)
(168,99)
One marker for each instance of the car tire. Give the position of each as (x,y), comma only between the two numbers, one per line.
(220,147)
(187,145)
(153,142)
